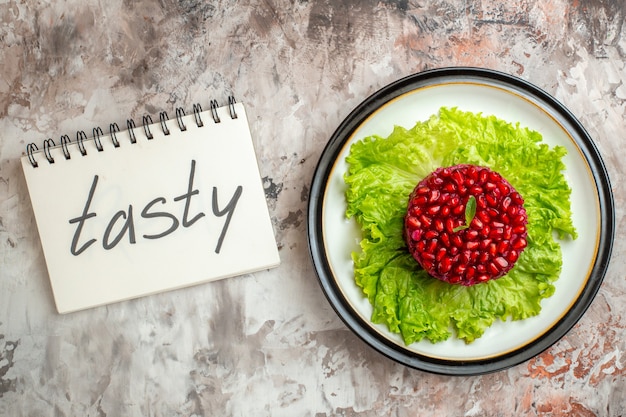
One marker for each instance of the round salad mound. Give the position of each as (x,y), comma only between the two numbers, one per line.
(465,224)
(383,173)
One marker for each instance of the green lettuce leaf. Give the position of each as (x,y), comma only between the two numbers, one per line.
(382,172)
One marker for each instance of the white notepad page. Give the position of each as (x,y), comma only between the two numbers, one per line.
(154,215)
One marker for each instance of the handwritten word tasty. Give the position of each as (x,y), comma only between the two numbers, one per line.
(124,220)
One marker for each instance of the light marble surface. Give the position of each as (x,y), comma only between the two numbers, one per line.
(269,344)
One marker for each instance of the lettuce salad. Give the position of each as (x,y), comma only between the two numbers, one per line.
(382,173)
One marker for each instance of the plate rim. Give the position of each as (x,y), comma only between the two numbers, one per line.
(362,328)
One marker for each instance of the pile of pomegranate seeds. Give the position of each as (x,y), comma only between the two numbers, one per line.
(463,253)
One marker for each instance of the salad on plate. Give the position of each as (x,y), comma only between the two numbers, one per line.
(462,219)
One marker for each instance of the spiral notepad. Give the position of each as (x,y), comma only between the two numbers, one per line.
(151,207)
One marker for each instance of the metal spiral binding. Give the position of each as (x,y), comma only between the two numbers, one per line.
(30,148)
(147,121)
(47,144)
(231,107)
(163,118)
(114,129)
(97,132)
(214,106)
(130,125)
(80,137)
(64,141)
(197,109)
(180,113)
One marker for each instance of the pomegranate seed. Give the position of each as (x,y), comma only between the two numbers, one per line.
(484,216)
(476,190)
(419,201)
(518,230)
(465,257)
(455,279)
(448,248)
(437,181)
(456,240)
(458,210)
(481,202)
(445,239)
(512,256)
(431,234)
(450,225)
(432,210)
(428,256)
(503,188)
(457,177)
(506,202)
(471,234)
(477,223)
(471,245)
(519,243)
(470,272)
(445,265)
(501,262)
(413,223)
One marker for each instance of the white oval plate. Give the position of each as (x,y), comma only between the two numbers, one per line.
(332,238)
